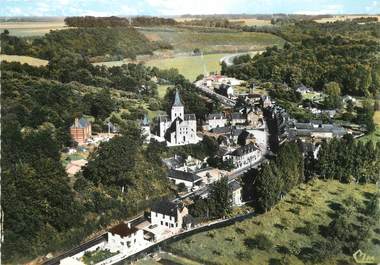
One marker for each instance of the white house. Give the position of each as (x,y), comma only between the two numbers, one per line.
(168,214)
(237,118)
(235,188)
(215,120)
(180,128)
(244,156)
(123,237)
(145,129)
(189,179)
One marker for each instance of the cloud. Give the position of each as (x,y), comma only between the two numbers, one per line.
(375,5)
(329,9)
(177,7)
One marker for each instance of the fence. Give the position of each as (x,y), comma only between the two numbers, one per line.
(204,228)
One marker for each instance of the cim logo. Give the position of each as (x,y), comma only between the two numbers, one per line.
(362,258)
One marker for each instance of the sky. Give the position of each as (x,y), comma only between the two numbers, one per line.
(178,7)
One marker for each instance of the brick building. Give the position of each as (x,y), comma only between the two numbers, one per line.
(81,130)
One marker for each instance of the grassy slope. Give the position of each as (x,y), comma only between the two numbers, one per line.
(374,136)
(318,195)
(23,59)
(186,40)
(190,66)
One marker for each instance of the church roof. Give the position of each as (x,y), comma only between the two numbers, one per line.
(80,123)
(177,100)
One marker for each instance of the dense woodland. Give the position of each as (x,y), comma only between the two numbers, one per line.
(39,105)
(90,21)
(106,43)
(317,53)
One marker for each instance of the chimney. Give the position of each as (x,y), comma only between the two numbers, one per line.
(129,225)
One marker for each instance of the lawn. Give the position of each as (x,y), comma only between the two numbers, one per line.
(310,203)
(215,41)
(23,59)
(190,66)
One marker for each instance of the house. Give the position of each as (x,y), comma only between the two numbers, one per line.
(226,90)
(124,237)
(266,102)
(179,128)
(210,175)
(255,118)
(168,214)
(190,180)
(244,156)
(315,130)
(235,189)
(145,129)
(303,89)
(237,118)
(215,120)
(81,130)
(174,162)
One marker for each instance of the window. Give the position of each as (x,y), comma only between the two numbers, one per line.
(166,224)
(162,223)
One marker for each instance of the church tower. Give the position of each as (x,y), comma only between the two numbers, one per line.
(177,108)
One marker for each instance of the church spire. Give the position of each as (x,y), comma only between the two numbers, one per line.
(177,99)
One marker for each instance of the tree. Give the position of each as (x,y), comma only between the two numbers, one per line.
(219,198)
(332,89)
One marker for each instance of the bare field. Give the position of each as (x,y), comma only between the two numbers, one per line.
(253,22)
(26,29)
(23,59)
(341,18)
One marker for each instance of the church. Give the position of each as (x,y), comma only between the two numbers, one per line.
(179,128)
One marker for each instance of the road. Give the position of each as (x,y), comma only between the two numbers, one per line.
(229,59)
(224,100)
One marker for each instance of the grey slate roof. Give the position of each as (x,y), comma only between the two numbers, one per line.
(182,175)
(177,100)
(221,130)
(237,116)
(165,207)
(215,116)
(145,121)
(244,150)
(189,117)
(234,185)
(80,123)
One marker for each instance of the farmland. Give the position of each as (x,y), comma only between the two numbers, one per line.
(311,203)
(23,59)
(28,29)
(185,40)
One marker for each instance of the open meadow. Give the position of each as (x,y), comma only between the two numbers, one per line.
(342,18)
(313,204)
(23,59)
(185,40)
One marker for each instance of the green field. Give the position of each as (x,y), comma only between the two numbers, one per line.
(310,203)
(217,41)
(190,66)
